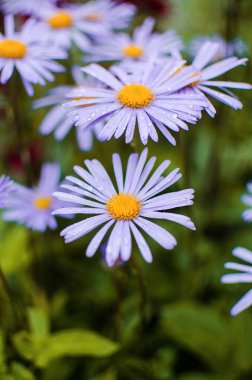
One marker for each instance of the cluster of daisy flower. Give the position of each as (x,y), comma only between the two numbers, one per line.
(147,89)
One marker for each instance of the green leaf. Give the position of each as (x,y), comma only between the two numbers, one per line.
(110,375)
(74,343)
(14,253)
(26,345)
(204,376)
(200,330)
(21,373)
(39,323)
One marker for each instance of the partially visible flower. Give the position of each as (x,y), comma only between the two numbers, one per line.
(29,52)
(245,276)
(106,14)
(226,49)
(58,120)
(126,208)
(24,7)
(204,84)
(33,207)
(66,26)
(146,97)
(13,159)
(247,200)
(143,45)
(6,187)
(158,7)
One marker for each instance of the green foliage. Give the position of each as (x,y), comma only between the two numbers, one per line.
(72,342)
(198,329)
(65,317)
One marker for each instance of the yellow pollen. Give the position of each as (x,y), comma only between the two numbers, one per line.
(123,206)
(61,19)
(12,49)
(135,96)
(133,51)
(43,203)
(84,98)
(179,69)
(93,16)
(196,81)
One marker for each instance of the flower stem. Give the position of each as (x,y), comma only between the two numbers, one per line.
(142,290)
(13,96)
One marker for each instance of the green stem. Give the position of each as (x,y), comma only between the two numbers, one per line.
(142,290)
(13,95)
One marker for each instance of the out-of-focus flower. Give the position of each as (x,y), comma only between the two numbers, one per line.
(127,207)
(24,7)
(143,45)
(205,83)
(147,96)
(158,7)
(58,120)
(28,52)
(13,160)
(245,276)
(106,14)
(66,26)
(6,188)
(247,200)
(33,207)
(226,49)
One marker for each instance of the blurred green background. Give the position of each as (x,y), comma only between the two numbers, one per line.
(72,318)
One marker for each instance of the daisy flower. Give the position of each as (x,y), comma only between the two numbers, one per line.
(245,276)
(24,7)
(28,52)
(33,207)
(66,26)
(147,97)
(57,120)
(6,187)
(226,49)
(247,200)
(204,85)
(125,208)
(140,47)
(107,14)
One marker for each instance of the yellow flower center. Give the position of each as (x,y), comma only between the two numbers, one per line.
(61,19)
(43,203)
(12,49)
(93,16)
(135,96)
(133,51)
(123,206)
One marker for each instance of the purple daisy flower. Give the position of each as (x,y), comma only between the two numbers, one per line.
(24,7)
(147,96)
(247,200)
(140,47)
(66,26)
(245,276)
(28,52)
(33,207)
(127,207)
(57,120)
(106,15)
(6,188)
(226,49)
(204,85)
